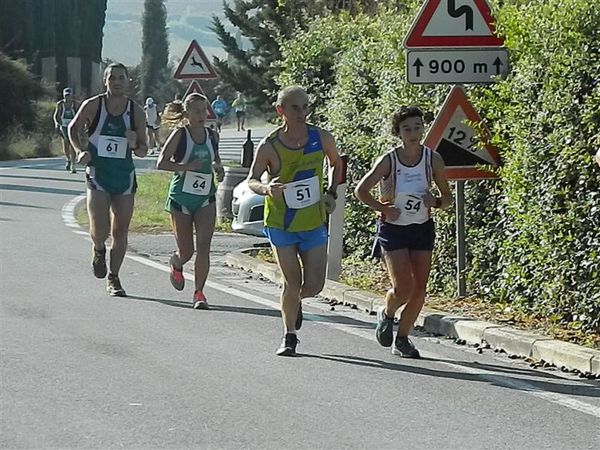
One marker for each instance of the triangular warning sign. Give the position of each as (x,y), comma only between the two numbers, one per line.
(195,65)
(458,142)
(195,87)
(452,23)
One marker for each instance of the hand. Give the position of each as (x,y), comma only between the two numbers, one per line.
(141,152)
(219,171)
(329,202)
(390,212)
(84,158)
(275,189)
(193,165)
(131,138)
(429,200)
(597,157)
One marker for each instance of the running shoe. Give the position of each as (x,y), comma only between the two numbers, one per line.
(404,347)
(385,328)
(200,301)
(177,279)
(288,345)
(299,317)
(113,286)
(99,263)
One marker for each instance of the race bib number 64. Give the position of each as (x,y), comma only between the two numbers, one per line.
(197,183)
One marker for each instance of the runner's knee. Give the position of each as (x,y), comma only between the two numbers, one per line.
(312,288)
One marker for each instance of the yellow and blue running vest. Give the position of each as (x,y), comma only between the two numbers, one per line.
(111,168)
(301,169)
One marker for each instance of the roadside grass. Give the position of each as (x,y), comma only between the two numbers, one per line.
(149,215)
(17,144)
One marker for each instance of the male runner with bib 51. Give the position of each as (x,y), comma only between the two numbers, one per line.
(296,204)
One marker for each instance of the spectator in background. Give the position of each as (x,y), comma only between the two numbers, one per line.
(239,106)
(152,124)
(220,107)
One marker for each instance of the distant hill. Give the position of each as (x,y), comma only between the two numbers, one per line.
(186,20)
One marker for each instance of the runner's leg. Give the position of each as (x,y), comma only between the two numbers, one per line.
(420,262)
(122,210)
(398,264)
(204,219)
(183,228)
(287,259)
(314,263)
(98,206)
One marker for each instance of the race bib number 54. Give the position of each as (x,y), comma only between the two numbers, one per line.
(412,209)
(112,147)
(197,183)
(302,194)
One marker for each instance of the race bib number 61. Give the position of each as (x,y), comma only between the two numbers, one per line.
(112,147)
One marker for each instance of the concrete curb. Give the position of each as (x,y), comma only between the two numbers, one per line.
(500,337)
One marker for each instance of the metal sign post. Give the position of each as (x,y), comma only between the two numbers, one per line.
(336,228)
(461,282)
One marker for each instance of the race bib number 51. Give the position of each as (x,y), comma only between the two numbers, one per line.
(302,194)
(197,183)
(112,147)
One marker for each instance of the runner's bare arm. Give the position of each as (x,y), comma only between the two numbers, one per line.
(441,180)
(363,189)
(141,146)
(333,158)
(84,116)
(57,113)
(164,161)
(265,155)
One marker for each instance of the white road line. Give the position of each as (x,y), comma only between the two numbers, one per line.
(552,397)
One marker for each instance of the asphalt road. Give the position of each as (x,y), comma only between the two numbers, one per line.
(80,369)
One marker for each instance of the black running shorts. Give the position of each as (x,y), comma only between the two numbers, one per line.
(419,236)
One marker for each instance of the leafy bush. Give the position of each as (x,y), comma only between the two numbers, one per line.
(533,236)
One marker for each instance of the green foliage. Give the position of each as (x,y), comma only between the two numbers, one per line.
(154,69)
(533,235)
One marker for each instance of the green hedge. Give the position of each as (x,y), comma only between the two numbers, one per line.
(533,236)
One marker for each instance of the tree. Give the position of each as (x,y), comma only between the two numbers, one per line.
(155,47)
(267,24)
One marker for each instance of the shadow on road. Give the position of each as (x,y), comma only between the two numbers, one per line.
(44,190)
(22,205)
(31,177)
(497,378)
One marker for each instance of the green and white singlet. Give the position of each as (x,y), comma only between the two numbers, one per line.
(301,170)
(111,168)
(66,117)
(192,190)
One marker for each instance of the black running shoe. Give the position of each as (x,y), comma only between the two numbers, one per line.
(404,347)
(288,345)
(99,263)
(385,328)
(113,286)
(299,317)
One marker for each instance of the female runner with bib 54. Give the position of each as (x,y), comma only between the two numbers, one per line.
(405,230)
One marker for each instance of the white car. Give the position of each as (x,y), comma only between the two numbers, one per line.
(248,210)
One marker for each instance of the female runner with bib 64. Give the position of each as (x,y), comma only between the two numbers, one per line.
(405,228)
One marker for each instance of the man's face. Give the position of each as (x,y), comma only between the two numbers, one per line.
(117,81)
(294,108)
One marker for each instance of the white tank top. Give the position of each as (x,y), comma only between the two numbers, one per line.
(411,183)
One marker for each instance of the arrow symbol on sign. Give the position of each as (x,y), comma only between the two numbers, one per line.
(497,63)
(457,12)
(418,64)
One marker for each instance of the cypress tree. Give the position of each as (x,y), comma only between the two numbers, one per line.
(155,47)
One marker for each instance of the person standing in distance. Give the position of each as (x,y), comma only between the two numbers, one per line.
(239,106)
(296,204)
(220,107)
(405,229)
(117,128)
(152,124)
(191,152)
(63,114)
